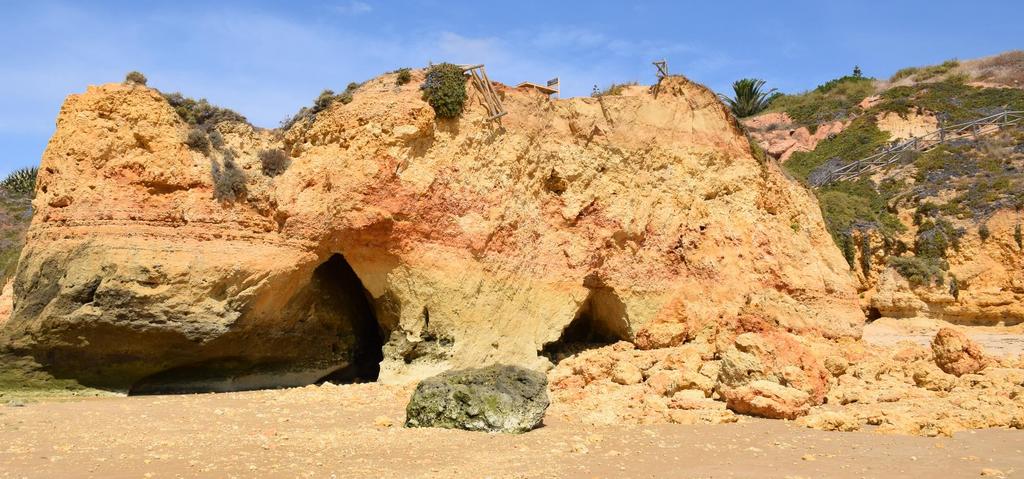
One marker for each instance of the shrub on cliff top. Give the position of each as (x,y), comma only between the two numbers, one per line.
(200,112)
(322,102)
(445,90)
(611,90)
(21,182)
(136,78)
(404,76)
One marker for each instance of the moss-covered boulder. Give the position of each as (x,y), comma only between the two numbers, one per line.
(496,398)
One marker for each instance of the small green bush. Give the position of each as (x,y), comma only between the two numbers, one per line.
(21,181)
(445,90)
(196,139)
(136,78)
(954,287)
(935,238)
(200,112)
(404,76)
(919,271)
(937,159)
(983,232)
(216,139)
(229,181)
(1018,237)
(613,89)
(865,254)
(845,243)
(273,162)
(322,102)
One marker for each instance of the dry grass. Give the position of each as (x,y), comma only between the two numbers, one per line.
(1006,69)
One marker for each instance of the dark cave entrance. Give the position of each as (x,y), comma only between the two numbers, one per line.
(332,321)
(601,320)
(339,282)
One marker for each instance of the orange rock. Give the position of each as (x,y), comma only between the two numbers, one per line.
(956,354)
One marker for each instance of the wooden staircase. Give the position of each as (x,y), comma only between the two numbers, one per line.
(890,155)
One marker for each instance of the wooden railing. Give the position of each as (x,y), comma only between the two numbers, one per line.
(478,77)
(895,153)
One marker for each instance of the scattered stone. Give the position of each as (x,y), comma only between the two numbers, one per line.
(837,365)
(831,421)
(383,421)
(627,373)
(497,398)
(957,354)
(767,399)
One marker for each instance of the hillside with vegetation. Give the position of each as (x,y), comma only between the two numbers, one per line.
(946,220)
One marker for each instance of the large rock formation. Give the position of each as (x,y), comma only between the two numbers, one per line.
(496,398)
(399,239)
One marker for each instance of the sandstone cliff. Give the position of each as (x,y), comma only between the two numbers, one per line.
(417,243)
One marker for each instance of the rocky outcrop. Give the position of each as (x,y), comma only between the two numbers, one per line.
(497,398)
(771,375)
(957,354)
(989,278)
(780,137)
(397,245)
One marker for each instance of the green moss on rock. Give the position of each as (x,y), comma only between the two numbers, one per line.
(497,398)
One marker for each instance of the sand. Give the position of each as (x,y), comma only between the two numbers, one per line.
(355,431)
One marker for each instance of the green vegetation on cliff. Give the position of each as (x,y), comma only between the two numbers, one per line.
(953,188)
(16,193)
(834,100)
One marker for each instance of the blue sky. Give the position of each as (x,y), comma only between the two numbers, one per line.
(267,59)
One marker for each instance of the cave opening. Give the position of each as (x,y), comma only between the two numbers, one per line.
(600,320)
(332,333)
(339,280)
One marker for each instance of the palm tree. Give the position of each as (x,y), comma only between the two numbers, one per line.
(750,97)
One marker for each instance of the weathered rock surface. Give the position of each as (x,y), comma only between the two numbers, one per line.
(899,389)
(957,354)
(496,398)
(397,239)
(771,375)
(780,137)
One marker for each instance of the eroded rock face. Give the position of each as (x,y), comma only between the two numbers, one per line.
(468,243)
(957,354)
(780,137)
(497,398)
